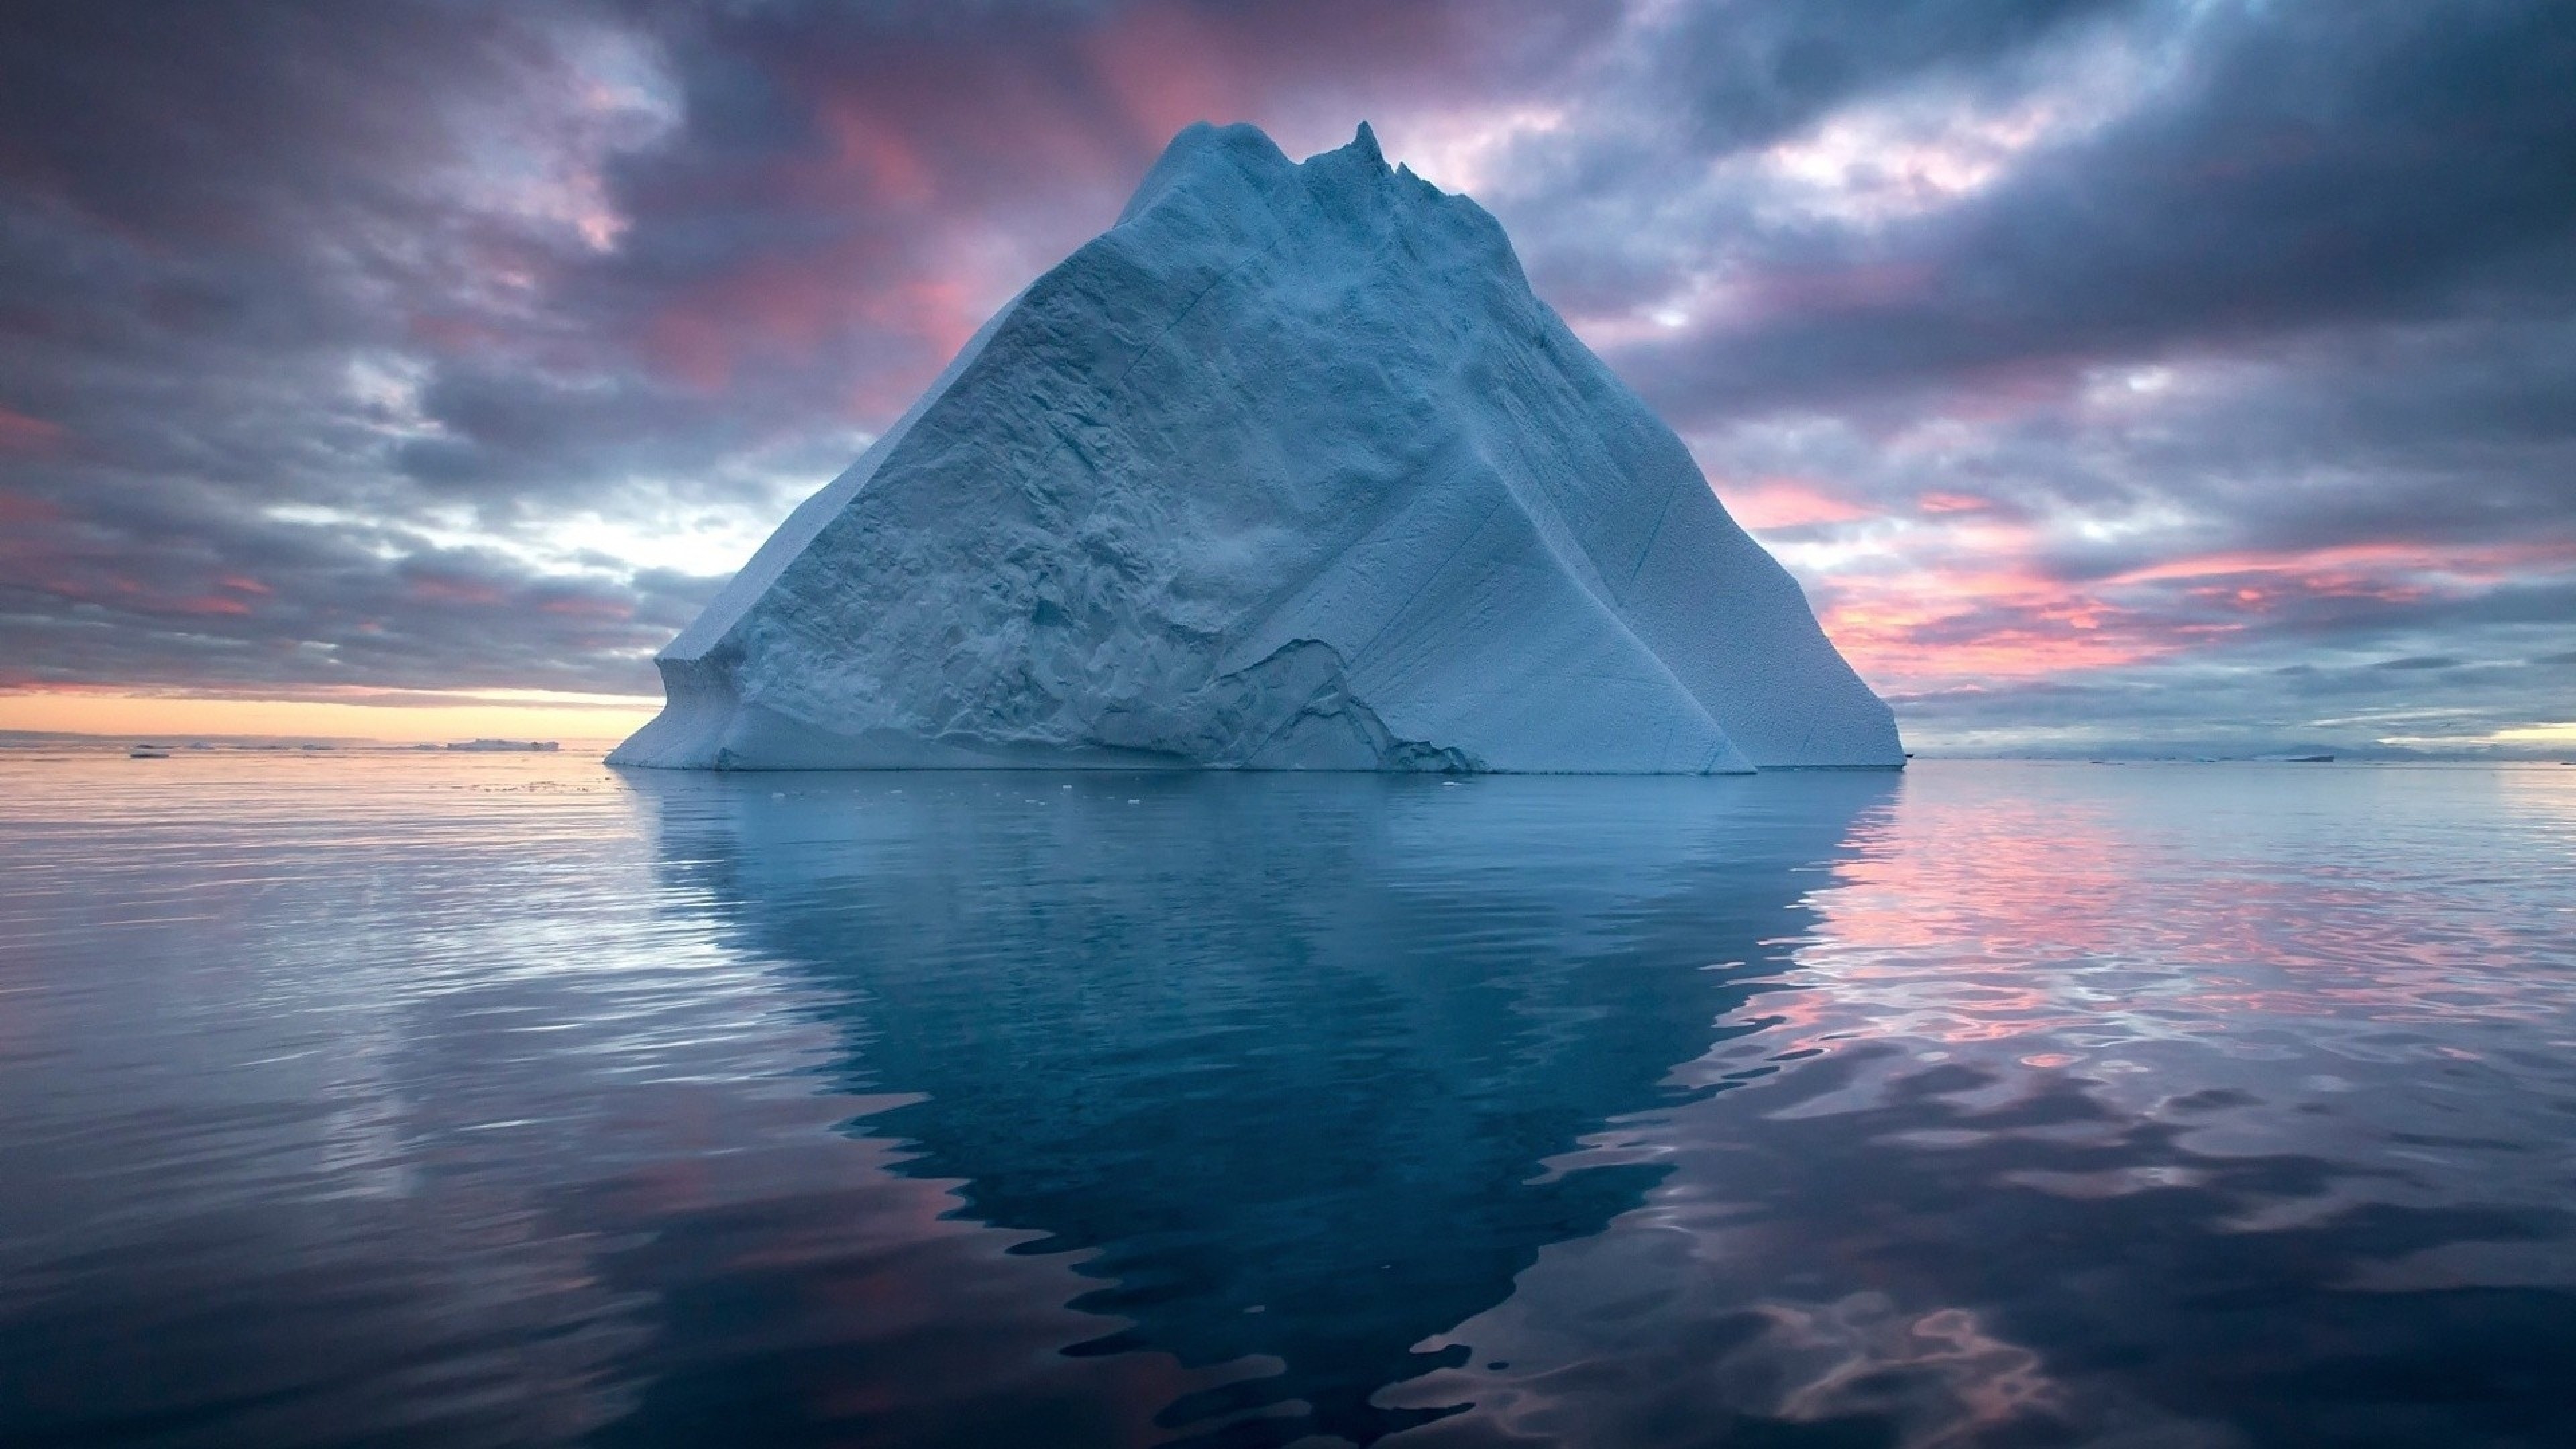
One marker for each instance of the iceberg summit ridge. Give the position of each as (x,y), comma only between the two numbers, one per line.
(1288,469)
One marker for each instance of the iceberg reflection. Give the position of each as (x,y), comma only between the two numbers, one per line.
(1282,1054)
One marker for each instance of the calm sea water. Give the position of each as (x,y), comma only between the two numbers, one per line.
(505,1100)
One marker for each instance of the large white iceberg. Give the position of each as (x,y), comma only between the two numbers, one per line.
(1286,470)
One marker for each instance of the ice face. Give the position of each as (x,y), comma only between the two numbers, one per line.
(1287,470)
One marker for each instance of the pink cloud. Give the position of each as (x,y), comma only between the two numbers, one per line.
(2363,565)
(575,608)
(1788,292)
(23,508)
(1942,626)
(433,589)
(1973,603)
(20,433)
(1782,502)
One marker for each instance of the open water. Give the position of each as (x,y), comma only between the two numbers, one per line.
(456,1100)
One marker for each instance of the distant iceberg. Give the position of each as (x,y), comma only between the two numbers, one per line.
(1286,470)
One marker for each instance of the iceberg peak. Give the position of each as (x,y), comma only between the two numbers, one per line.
(1365,143)
(1204,158)
(1286,470)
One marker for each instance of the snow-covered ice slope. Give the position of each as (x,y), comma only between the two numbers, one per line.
(1287,470)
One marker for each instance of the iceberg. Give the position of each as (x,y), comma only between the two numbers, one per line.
(1288,469)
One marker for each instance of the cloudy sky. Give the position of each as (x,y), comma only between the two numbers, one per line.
(2164,374)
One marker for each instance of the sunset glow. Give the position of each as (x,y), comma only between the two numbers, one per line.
(2101,386)
(394,717)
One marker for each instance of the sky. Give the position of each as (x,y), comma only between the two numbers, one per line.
(2116,375)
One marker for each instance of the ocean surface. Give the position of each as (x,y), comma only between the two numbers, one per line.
(492,1100)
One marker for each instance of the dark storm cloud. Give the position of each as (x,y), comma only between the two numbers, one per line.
(217,123)
(855,187)
(2161,347)
(295,292)
(1746,74)
(210,210)
(2307,164)
(2447,438)
(2275,352)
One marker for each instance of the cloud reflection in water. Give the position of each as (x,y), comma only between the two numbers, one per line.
(474,1099)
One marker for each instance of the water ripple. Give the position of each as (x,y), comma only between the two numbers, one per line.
(493,1099)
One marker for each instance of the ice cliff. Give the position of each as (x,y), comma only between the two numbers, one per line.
(1286,470)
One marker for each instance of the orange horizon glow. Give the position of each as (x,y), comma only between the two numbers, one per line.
(431,719)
